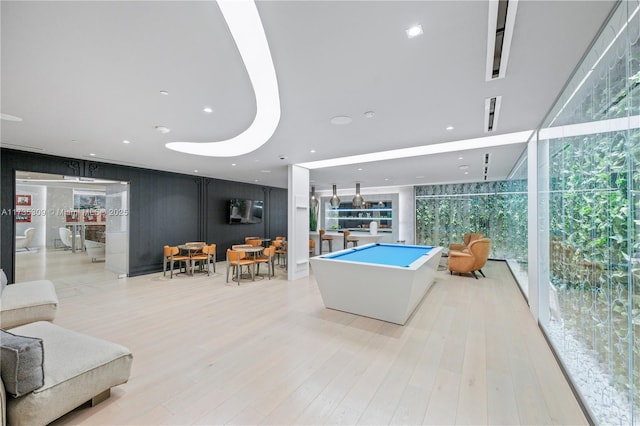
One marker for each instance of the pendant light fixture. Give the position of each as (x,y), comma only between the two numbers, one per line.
(313,200)
(334,201)
(357,201)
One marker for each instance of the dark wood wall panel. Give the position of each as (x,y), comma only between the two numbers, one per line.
(279,222)
(165,208)
(219,193)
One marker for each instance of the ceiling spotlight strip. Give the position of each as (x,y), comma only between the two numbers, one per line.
(246,28)
(502,18)
(491,113)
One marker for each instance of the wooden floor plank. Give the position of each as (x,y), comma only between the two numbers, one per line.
(268,351)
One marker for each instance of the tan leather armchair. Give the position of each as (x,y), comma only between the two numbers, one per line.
(467,240)
(471,260)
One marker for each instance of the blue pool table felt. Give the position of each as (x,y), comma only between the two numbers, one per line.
(383,254)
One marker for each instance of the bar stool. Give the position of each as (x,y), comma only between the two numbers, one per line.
(324,238)
(349,239)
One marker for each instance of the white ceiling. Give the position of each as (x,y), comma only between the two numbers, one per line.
(84,76)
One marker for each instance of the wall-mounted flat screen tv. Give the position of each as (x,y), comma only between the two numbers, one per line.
(245,211)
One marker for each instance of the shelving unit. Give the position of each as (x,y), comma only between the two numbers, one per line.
(356,219)
(379,208)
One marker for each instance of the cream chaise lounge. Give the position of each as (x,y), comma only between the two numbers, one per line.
(27,302)
(47,370)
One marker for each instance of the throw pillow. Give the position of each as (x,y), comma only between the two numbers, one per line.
(21,363)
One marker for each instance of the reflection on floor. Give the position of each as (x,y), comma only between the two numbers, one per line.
(58,264)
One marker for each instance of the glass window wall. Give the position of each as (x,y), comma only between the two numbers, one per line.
(444,213)
(589,223)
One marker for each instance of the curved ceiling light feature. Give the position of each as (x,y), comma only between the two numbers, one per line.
(8,117)
(246,28)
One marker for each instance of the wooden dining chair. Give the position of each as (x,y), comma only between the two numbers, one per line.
(247,239)
(236,260)
(212,256)
(267,257)
(280,249)
(171,255)
(208,253)
(255,243)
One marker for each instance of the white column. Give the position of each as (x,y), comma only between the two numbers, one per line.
(298,223)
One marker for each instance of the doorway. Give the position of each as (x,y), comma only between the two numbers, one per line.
(69,225)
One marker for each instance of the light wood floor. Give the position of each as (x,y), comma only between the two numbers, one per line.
(268,352)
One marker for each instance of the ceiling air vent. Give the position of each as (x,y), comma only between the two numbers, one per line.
(502,17)
(491,110)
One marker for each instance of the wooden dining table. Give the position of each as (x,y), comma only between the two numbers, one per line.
(251,251)
(191,249)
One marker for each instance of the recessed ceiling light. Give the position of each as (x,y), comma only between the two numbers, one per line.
(386,179)
(265,171)
(256,180)
(461,158)
(313,151)
(359,169)
(92,154)
(466,173)
(414,31)
(370,114)
(207,110)
(463,167)
(233,164)
(164,92)
(163,129)
(450,127)
(341,119)
(195,171)
(126,141)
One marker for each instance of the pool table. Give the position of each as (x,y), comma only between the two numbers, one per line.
(382,281)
